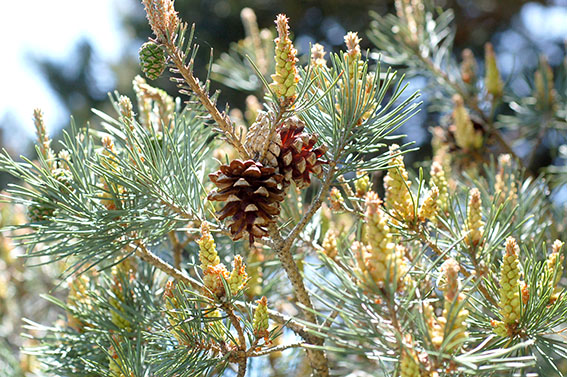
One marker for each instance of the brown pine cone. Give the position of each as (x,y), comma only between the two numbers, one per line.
(298,157)
(252,193)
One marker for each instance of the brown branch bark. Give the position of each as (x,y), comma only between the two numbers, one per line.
(241,357)
(276,349)
(177,249)
(282,247)
(148,256)
(317,358)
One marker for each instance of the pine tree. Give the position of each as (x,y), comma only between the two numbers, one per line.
(196,243)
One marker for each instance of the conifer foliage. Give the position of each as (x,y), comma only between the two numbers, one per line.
(199,243)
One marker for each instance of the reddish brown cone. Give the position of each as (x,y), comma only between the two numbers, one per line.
(298,157)
(252,193)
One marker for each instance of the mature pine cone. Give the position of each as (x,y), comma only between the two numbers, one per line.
(298,157)
(252,193)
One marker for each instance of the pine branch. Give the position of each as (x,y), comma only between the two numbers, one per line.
(146,255)
(170,32)
(242,356)
(149,257)
(282,246)
(222,120)
(277,349)
(177,249)
(283,251)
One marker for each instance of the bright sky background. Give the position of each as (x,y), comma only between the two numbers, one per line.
(48,28)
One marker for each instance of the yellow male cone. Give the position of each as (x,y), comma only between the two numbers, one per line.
(466,136)
(430,206)
(330,244)
(510,300)
(474,225)
(238,276)
(260,323)
(454,315)
(554,266)
(397,183)
(380,260)
(362,184)
(439,180)
(409,363)
(286,76)
(207,248)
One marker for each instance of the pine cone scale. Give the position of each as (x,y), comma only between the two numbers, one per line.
(230,209)
(253,172)
(262,191)
(242,182)
(270,209)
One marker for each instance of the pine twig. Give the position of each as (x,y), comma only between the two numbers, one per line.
(222,120)
(177,210)
(149,257)
(464,271)
(177,249)
(329,321)
(390,303)
(283,347)
(169,30)
(241,357)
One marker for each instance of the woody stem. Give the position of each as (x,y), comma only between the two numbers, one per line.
(242,358)
(282,247)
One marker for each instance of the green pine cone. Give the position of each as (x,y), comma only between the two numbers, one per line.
(152,60)
(39,212)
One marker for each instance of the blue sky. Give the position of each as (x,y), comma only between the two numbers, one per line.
(49,28)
